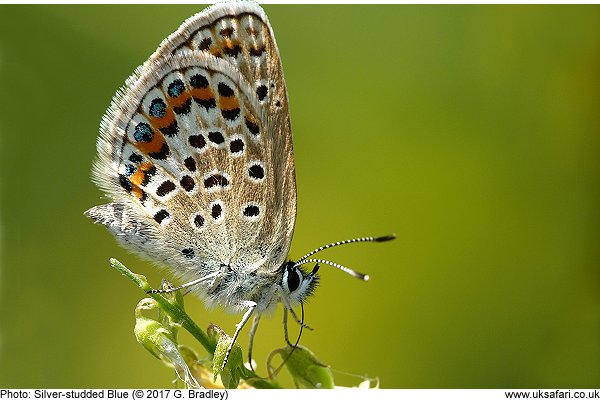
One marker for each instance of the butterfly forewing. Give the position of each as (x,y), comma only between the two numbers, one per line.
(198,146)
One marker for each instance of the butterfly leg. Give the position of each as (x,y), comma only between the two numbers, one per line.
(302,324)
(255,322)
(285,330)
(251,306)
(186,285)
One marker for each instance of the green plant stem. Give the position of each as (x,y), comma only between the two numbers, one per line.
(180,316)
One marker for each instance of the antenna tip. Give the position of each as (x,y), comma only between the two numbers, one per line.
(385,238)
(366,278)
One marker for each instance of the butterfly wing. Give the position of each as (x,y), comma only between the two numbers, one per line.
(196,149)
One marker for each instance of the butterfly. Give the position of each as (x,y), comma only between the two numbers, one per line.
(196,155)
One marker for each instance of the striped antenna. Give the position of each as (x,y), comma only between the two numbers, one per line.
(355,240)
(347,270)
(305,259)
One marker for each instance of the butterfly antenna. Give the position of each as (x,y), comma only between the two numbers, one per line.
(347,270)
(355,240)
(305,259)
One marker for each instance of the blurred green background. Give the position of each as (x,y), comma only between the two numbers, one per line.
(470,131)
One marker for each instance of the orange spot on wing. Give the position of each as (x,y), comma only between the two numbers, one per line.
(229,45)
(202,93)
(228,103)
(137,192)
(178,101)
(138,177)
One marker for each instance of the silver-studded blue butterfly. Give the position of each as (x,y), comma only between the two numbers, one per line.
(196,153)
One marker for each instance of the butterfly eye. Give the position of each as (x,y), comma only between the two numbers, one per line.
(293,278)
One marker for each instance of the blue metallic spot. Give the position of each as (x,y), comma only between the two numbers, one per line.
(158,108)
(175,88)
(143,132)
(129,169)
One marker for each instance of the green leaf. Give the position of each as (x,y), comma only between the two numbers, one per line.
(308,372)
(148,333)
(234,370)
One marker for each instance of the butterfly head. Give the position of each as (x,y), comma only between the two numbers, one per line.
(297,285)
